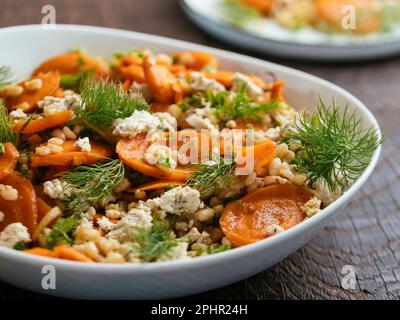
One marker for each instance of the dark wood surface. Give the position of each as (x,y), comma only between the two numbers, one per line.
(366,235)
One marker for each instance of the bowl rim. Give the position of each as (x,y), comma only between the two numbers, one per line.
(235,253)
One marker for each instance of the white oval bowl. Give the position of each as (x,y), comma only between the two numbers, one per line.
(27,46)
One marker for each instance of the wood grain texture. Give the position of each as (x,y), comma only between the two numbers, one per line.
(366,235)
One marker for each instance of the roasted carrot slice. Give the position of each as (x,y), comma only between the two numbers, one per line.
(196,60)
(225,77)
(8,160)
(133,72)
(42,208)
(38,251)
(69,253)
(72,156)
(157,185)
(159,107)
(263,6)
(41,124)
(161,82)
(50,85)
(246,220)
(74,62)
(277,90)
(24,209)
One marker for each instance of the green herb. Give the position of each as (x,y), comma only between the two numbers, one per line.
(62,232)
(2,148)
(336,147)
(155,243)
(80,62)
(6,124)
(212,250)
(136,178)
(73,81)
(187,103)
(93,184)
(20,246)
(218,174)
(164,161)
(239,14)
(231,106)
(135,52)
(103,102)
(5,75)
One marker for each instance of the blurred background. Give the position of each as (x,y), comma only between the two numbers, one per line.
(366,236)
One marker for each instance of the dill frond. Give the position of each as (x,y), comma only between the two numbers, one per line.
(103,102)
(231,106)
(335,147)
(92,184)
(5,75)
(61,232)
(155,243)
(218,174)
(212,250)
(6,125)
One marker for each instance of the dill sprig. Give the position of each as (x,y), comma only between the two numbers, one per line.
(155,243)
(217,174)
(6,124)
(239,105)
(5,75)
(103,102)
(92,185)
(61,232)
(335,147)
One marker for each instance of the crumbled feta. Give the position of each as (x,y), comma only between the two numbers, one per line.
(138,122)
(323,193)
(161,156)
(83,144)
(199,82)
(168,122)
(273,229)
(105,224)
(18,114)
(13,234)
(135,221)
(141,90)
(52,105)
(179,251)
(200,120)
(8,192)
(179,201)
(253,90)
(57,189)
(312,207)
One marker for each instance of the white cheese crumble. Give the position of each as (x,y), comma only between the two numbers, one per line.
(312,207)
(179,251)
(179,201)
(83,144)
(167,121)
(160,156)
(200,120)
(199,82)
(253,90)
(141,90)
(8,192)
(136,220)
(18,114)
(105,224)
(52,105)
(13,234)
(56,189)
(273,229)
(138,122)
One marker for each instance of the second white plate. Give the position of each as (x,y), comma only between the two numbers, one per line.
(306,44)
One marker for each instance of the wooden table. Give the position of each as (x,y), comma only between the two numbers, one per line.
(366,235)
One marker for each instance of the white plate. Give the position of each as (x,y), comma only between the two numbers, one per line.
(266,36)
(27,46)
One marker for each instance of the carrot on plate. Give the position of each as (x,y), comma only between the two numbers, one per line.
(41,124)
(39,251)
(8,159)
(196,60)
(23,209)
(69,253)
(155,185)
(72,155)
(247,220)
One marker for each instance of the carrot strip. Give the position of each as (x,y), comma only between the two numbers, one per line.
(69,253)
(41,124)
(8,160)
(38,251)
(196,60)
(157,185)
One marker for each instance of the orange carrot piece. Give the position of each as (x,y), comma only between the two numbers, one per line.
(277,90)
(50,85)
(155,185)
(41,124)
(69,253)
(72,156)
(263,6)
(24,209)
(38,251)
(133,72)
(8,160)
(42,208)
(74,62)
(246,220)
(196,60)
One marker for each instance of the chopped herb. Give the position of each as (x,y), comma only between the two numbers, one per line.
(212,250)
(2,148)
(93,184)
(80,61)
(20,246)
(215,175)
(155,243)
(6,124)
(163,161)
(102,103)
(187,103)
(335,147)
(231,106)
(135,52)
(73,81)
(62,232)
